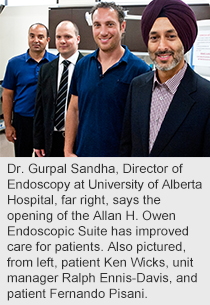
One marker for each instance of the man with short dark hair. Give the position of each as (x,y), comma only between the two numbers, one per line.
(20,83)
(52,92)
(99,88)
(168,111)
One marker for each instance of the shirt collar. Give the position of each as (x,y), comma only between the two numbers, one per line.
(123,58)
(173,82)
(72,59)
(27,56)
(45,57)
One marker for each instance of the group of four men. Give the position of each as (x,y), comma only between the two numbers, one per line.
(115,106)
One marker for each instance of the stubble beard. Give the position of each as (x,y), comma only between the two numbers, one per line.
(173,64)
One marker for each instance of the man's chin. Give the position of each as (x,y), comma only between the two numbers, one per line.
(165,67)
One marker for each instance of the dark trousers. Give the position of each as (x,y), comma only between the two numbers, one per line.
(24,134)
(57,144)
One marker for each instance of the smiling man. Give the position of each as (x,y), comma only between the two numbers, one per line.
(19,93)
(168,111)
(99,88)
(52,92)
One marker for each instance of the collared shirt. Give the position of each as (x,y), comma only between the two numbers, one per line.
(21,76)
(162,96)
(101,101)
(73,60)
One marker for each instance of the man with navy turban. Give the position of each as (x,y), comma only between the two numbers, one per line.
(168,110)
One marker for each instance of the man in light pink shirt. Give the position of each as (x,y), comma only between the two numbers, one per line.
(168,110)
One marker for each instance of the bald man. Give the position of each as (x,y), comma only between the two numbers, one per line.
(19,93)
(49,118)
(168,110)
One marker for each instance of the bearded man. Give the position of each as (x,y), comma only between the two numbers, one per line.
(168,110)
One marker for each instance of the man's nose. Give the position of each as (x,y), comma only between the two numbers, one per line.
(103,30)
(163,45)
(62,40)
(36,39)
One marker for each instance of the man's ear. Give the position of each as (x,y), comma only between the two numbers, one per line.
(78,39)
(123,26)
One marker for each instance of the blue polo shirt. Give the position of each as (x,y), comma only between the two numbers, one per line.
(101,101)
(21,76)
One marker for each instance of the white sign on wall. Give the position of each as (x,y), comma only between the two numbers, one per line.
(202,49)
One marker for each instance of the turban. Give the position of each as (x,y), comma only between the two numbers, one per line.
(179,14)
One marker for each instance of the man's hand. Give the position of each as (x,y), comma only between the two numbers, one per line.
(40,152)
(10,133)
(69,155)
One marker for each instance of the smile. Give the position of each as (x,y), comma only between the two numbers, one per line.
(104,39)
(164,56)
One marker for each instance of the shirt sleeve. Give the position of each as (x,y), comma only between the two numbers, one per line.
(9,81)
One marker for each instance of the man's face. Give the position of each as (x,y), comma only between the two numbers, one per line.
(165,47)
(107,30)
(66,39)
(37,38)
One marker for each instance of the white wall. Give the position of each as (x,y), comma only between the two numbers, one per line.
(14,25)
(52,2)
(30,2)
(84,2)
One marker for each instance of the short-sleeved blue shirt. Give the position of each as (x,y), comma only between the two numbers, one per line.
(101,101)
(21,76)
